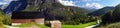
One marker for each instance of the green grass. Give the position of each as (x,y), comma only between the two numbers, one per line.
(78,26)
(30,24)
(63,26)
(42,26)
(24,25)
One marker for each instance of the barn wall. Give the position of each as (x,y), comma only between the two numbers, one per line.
(39,20)
(20,20)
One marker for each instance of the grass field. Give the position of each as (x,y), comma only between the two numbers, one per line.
(78,26)
(63,26)
(30,24)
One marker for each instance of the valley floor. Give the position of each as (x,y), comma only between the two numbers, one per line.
(87,25)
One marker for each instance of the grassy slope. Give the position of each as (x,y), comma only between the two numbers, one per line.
(63,26)
(1,18)
(78,26)
(113,25)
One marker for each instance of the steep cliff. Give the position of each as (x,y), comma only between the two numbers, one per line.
(53,9)
(34,5)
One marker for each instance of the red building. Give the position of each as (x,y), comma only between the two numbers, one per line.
(25,17)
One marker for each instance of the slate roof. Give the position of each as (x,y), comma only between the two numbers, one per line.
(27,15)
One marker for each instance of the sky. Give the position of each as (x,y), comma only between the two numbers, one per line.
(97,4)
(2,2)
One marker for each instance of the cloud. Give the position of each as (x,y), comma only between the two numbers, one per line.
(93,5)
(2,3)
(5,2)
(67,3)
(90,4)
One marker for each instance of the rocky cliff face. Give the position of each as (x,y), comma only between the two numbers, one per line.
(39,4)
(3,6)
(32,5)
(52,8)
(18,5)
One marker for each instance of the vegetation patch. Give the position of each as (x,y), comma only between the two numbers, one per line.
(78,26)
(112,25)
(30,24)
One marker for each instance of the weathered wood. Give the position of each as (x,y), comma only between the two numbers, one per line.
(55,24)
(20,21)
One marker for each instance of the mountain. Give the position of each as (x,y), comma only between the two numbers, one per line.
(53,9)
(15,6)
(101,11)
(0,10)
(111,16)
(0,6)
(4,6)
(35,5)
(90,10)
(49,5)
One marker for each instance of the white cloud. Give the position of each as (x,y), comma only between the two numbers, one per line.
(8,0)
(93,5)
(2,3)
(5,2)
(97,0)
(67,3)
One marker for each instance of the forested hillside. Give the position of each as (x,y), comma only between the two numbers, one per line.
(102,11)
(112,18)
(53,10)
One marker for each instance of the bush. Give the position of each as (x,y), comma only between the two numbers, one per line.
(108,18)
(112,25)
(6,20)
(1,18)
(47,23)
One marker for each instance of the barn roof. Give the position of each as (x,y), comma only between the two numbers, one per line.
(27,15)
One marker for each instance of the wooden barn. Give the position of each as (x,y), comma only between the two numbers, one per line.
(25,17)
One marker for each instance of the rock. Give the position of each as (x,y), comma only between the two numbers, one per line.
(55,24)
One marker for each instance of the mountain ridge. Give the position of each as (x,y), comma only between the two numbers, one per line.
(101,11)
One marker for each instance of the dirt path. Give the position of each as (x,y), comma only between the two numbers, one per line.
(90,26)
(98,22)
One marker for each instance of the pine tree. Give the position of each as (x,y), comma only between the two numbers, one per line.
(116,13)
(107,18)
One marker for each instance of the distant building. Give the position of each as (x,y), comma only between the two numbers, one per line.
(26,17)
